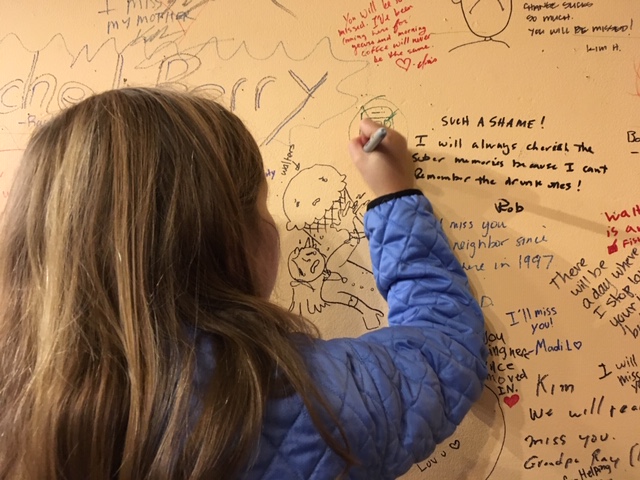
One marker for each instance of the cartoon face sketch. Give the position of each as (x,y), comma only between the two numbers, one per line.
(308,268)
(306,264)
(312,200)
(486,18)
(379,113)
(381,110)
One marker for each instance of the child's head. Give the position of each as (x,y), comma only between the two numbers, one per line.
(136,185)
(136,227)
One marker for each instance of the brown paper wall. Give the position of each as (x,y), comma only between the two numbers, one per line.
(524,120)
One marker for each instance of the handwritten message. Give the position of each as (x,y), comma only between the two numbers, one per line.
(384,31)
(571,19)
(500,143)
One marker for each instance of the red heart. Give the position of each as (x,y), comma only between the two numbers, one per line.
(512,400)
(404,63)
(613,248)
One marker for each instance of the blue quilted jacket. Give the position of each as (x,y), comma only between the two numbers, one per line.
(398,391)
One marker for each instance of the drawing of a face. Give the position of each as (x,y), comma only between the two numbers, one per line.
(306,264)
(486,18)
(381,114)
(310,197)
(379,109)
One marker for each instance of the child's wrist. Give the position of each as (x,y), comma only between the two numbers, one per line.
(391,196)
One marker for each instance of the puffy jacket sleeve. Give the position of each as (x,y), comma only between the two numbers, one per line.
(403,389)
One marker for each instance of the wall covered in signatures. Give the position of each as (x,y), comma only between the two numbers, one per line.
(523,119)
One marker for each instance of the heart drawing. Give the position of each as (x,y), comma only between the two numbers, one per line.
(512,400)
(455,444)
(403,63)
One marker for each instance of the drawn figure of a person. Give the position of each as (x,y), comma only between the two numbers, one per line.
(316,202)
(486,18)
(310,270)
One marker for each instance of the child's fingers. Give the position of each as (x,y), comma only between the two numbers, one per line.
(355,148)
(368,127)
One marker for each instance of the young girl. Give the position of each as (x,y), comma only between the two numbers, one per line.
(136,337)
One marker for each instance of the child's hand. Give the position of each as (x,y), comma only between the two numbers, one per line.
(388,169)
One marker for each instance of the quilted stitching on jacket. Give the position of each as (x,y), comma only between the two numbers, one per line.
(398,391)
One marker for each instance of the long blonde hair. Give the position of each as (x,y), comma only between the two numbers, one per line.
(126,233)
